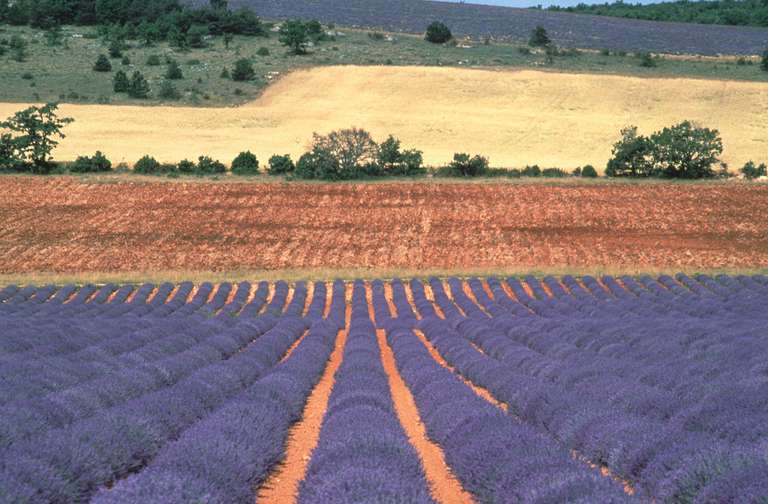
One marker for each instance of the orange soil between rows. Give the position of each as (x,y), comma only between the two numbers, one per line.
(69,225)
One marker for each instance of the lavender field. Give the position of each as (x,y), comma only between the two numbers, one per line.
(611,389)
(571,30)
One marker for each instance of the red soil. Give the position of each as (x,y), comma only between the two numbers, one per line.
(62,225)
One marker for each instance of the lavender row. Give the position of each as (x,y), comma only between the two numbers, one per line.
(222,458)
(363,453)
(69,465)
(21,419)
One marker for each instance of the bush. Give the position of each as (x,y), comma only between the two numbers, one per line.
(154,60)
(262,51)
(243,70)
(392,161)
(280,165)
(116,49)
(647,60)
(186,166)
(438,33)
(120,82)
(138,86)
(294,35)
(95,164)
(317,164)
(125,61)
(589,172)
(168,91)
(539,37)
(245,163)
(752,171)
(465,166)
(630,156)
(224,73)
(680,151)
(147,166)
(531,171)
(209,166)
(102,64)
(196,36)
(173,72)
(378,36)
(553,173)
(764,61)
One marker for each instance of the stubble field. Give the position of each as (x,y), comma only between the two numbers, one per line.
(515,118)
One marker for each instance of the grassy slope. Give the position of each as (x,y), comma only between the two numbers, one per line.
(65,73)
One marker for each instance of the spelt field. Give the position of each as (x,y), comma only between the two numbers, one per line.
(513,117)
(611,389)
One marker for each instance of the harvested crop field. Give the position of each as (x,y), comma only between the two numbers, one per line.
(526,390)
(515,118)
(69,225)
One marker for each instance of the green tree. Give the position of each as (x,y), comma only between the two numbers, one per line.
(353,149)
(630,156)
(148,32)
(438,33)
(173,72)
(85,164)
(465,166)
(243,70)
(196,36)
(116,48)
(53,36)
(293,34)
(220,5)
(33,134)
(686,151)
(209,166)
(539,37)
(147,165)
(245,163)
(764,61)
(168,91)
(393,161)
(647,60)
(138,87)
(102,64)
(279,165)
(120,82)
(18,47)
(752,171)
(228,37)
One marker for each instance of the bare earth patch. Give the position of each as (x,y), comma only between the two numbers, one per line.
(62,226)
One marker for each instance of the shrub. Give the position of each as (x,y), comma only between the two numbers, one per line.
(686,151)
(245,163)
(553,173)
(393,161)
(116,49)
(524,50)
(224,73)
(438,33)
(125,61)
(196,36)
(262,51)
(209,166)
(589,172)
(102,64)
(97,163)
(465,166)
(153,60)
(531,171)
(539,37)
(173,72)
(764,61)
(138,86)
(243,70)
(280,165)
(168,91)
(576,171)
(353,149)
(315,30)
(647,60)
(378,36)
(27,76)
(120,82)
(294,35)
(752,171)
(186,166)
(147,166)
(630,156)
(317,164)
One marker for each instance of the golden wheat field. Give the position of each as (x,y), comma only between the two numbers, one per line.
(513,117)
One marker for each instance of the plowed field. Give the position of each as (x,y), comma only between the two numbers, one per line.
(65,225)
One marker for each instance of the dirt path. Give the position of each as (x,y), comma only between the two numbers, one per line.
(443,484)
(514,117)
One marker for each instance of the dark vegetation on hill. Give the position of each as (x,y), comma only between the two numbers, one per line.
(723,12)
(570,30)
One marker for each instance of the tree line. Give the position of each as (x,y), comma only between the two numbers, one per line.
(682,151)
(723,12)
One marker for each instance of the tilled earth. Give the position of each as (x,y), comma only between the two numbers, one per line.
(66,224)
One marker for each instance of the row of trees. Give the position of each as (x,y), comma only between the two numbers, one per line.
(684,150)
(726,12)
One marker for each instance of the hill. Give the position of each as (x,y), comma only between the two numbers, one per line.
(515,117)
(571,30)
